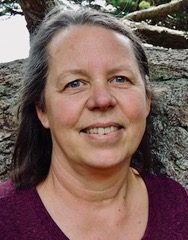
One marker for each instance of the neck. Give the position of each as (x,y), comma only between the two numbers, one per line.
(88,183)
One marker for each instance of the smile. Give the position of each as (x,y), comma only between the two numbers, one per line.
(102,130)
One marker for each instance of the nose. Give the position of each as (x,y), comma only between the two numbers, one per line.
(101,98)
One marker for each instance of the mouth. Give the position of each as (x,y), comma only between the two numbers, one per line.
(102,130)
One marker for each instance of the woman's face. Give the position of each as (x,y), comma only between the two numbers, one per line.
(95,99)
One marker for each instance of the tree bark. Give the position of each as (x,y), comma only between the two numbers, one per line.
(159,36)
(169,115)
(158,12)
(35,11)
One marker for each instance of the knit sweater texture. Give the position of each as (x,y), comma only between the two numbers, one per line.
(24,217)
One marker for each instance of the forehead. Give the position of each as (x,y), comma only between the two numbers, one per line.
(91,42)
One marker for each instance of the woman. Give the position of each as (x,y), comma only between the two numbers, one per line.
(82,118)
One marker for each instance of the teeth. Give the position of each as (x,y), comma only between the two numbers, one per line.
(101,131)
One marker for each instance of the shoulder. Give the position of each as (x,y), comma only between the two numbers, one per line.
(165,189)
(14,209)
(8,198)
(168,208)
(7,209)
(166,193)
(164,183)
(13,202)
(6,189)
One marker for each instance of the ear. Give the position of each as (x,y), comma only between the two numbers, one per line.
(42,116)
(148,105)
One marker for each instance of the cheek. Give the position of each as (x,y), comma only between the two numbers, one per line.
(136,106)
(63,112)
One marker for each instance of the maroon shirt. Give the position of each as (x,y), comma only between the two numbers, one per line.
(24,217)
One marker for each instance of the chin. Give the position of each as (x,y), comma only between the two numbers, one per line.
(105,161)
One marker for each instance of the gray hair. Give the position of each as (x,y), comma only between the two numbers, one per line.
(32,154)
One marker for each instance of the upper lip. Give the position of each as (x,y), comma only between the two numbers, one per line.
(102,125)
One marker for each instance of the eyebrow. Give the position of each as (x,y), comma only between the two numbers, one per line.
(73,71)
(120,68)
(77,71)
(84,72)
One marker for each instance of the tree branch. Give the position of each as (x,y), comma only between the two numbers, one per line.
(158,12)
(159,36)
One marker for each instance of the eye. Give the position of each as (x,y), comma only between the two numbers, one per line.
(120,79)
(74,84)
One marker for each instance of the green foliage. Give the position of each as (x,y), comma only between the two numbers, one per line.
(123,6)
(144,5)
(9,7)
(90,3)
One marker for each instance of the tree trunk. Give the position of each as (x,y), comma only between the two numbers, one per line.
(34,12)
(169,116)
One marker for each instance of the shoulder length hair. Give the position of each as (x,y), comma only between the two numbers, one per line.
(33,147)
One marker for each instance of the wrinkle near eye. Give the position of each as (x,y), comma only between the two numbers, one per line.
(74,84)
(121,79)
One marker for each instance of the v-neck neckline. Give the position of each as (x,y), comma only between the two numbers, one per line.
(54,230)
